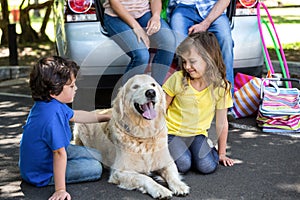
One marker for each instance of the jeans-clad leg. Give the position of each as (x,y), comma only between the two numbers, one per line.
(83,164)
(79,157)
(180,153)
(205,159)
(163,41)
(221,28)
(185,16)
(123,35)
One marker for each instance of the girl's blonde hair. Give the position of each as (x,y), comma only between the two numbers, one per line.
(207,46)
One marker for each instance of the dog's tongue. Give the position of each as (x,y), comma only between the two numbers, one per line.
(149,112)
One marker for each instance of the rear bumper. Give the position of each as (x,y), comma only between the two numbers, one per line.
(92,50)
(247,42)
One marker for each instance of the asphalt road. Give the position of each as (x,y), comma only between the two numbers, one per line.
(267,165)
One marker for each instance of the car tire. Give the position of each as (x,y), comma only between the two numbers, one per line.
(253,71)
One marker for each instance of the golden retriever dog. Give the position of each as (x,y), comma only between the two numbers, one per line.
(134,142)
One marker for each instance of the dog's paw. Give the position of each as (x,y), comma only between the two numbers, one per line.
(160,192)
(180,189)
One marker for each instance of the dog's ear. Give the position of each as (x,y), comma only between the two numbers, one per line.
(118,102)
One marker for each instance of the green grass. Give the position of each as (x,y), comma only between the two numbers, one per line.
(287,19)
(291,46)
(284,16)
(295,46)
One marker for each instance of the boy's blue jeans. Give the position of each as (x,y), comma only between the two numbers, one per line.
(83,164)
(193,152)
(185,16)
(163,41)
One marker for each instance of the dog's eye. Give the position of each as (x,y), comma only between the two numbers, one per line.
(153,84)
(135,86)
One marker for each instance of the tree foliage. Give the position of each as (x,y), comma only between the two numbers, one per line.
(28,34)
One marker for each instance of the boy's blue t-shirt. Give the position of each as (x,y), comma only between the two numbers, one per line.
(47,129)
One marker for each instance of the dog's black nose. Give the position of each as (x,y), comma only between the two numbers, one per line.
(150,93)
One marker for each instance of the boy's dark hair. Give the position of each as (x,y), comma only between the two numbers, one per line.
(49,75)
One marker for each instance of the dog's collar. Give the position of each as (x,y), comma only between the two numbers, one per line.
(128,131)
(126,127)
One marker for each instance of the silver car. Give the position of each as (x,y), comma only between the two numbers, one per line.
(80,35)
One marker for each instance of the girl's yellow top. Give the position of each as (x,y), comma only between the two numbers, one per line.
(191,112)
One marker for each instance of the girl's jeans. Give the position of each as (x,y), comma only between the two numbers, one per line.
(193,152)
(163,41)
(185,16)
(83,164)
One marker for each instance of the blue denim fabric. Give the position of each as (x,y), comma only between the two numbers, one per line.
(83,164)
(193,152)
(184,16)
(163,41)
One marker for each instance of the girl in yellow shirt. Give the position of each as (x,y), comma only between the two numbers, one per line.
(195,95)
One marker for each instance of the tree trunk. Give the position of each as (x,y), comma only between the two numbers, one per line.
(4,21)
(28,33)
(43,35)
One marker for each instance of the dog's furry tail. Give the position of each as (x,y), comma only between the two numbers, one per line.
(76,130)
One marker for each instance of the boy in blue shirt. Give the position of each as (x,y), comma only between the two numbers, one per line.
(46,155)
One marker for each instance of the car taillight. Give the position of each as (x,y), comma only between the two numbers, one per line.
(80,10)
(80,6)
(246,7)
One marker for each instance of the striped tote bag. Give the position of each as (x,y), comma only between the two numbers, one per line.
(279,110)
(247,98)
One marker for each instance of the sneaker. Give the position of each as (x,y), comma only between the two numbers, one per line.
(230,116)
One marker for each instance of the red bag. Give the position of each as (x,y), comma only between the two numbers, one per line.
(240,80)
